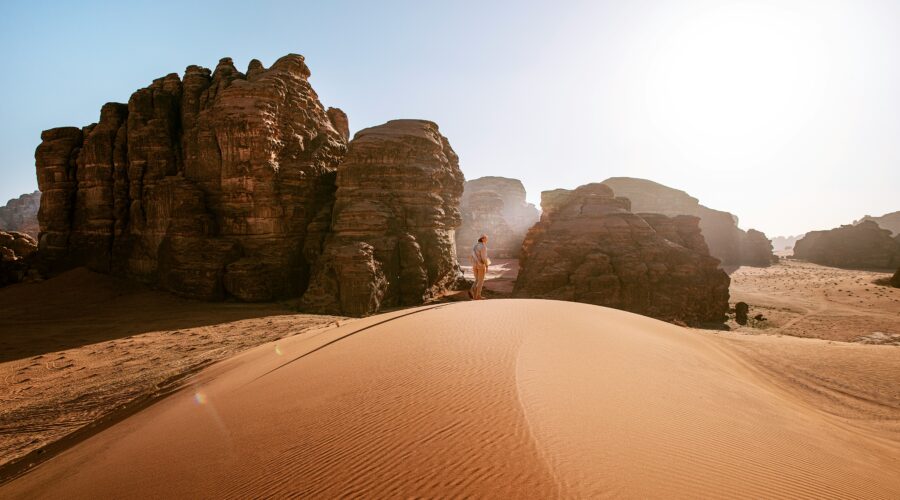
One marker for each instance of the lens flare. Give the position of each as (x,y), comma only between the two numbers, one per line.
(200,398)
(277,350)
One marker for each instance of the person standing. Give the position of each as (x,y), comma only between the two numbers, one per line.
(480,263)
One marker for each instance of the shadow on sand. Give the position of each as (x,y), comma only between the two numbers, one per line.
(81,307)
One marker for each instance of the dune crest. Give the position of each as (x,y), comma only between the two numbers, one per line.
(503,398)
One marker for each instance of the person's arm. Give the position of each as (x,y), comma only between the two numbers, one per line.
(482,254)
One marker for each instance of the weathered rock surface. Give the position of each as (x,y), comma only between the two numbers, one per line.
(588,247)
(864,245)
(17,251)
(494,206)
(756,249)
(727,242)
(203,185)
(390,241)
(20,214)
(890,221)
(895,279)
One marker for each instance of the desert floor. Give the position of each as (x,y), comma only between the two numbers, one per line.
(808,300)
(499,397)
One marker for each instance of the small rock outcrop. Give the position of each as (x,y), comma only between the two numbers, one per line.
(589,247)
(895,279)
(727,242)
(389,239)
(17,251)
(864,245)
(203,185)
(494,206)
(20,214)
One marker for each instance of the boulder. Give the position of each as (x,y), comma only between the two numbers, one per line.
(741,310)
(494,206)
(17,252)
(589,247)
(864,245)
(390,238)
(203,185)
(726,241)
(895,279)
(20,214)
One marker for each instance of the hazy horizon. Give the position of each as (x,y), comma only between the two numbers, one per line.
(783,113)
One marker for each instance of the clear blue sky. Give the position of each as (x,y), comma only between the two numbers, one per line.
(785,113)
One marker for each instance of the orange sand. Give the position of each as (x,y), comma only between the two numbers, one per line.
(501,398)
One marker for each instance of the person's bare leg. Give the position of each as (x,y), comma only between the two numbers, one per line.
(480,271)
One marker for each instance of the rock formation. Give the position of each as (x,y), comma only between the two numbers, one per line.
(16,255)
(864,245)
(20,214)
(588,247)
(895,279)
(389,239)
(203,185)
(756,249)
(494,206)
(890,221)
(726,241)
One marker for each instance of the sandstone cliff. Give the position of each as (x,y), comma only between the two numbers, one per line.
(203,185)
(20,214)
(728,243)
(389,239)
(864,245)
(589,247)
(494,206)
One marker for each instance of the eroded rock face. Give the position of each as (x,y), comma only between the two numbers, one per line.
(20,214)
(890,221)
(589,247)
(728,243)
(17,251)
(756,249)
(391,236)
(203,185)
(494,206)
(864,245)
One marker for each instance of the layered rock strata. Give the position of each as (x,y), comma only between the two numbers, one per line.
(727,242)
(389,240)
(20,214)
(589,247)
(494,206)
(204,185)
(864,245)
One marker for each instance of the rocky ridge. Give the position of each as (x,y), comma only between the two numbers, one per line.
(727,242)
(20,214)
(864,245)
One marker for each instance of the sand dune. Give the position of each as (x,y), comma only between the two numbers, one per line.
(506,398)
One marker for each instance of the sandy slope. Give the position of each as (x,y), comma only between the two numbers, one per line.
(808,300)
(502,398)
(80,347)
